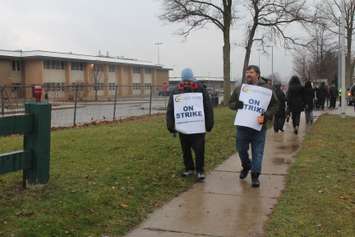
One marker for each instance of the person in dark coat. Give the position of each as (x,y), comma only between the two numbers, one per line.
(333,92)
(295,102)
(316,99)
(308,101)
(189,138)
(327,96)
(280,115)
(321,95)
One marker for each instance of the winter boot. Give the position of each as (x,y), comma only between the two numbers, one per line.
(255,180)
(244,172)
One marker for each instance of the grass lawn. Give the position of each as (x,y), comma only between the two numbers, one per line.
(105,179)
(319,199)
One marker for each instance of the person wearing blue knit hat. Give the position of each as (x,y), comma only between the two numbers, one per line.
(190,114)
(187,75)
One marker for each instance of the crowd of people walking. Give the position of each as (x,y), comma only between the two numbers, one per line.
(299,98)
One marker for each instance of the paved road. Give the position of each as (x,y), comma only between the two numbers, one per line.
(63,113)
(104,112)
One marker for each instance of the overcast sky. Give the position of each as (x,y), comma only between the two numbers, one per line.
(124,28)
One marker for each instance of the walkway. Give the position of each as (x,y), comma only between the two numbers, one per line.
(224,206)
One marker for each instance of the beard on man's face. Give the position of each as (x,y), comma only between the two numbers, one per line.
(250,79)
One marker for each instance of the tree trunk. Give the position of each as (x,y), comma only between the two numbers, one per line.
(352,72)
(347,71)
(348,61)
(226,67)
(248,48)
(227,19)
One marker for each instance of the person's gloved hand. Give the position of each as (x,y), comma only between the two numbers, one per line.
(240,104)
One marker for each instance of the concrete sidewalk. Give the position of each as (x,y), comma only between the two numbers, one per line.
(349,111)
(224,206)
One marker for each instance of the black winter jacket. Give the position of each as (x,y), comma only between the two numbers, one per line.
(322,93)
(282,101)
(185,87)
(308,98)
(333,92)
(295,101)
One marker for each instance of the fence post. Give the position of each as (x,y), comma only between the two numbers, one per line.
(38,143)
(2,101)
(96,89)
(150,99)
(115,103)
(75,103)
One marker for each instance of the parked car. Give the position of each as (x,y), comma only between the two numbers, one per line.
(350,95)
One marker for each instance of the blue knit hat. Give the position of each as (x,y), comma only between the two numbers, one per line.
(187,75)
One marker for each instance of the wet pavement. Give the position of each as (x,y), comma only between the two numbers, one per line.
(89,112)
(349,111)
(224,205)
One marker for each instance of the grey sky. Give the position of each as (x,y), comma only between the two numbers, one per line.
(124,28)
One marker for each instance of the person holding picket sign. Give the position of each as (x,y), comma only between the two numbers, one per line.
(190,114)
(256,104)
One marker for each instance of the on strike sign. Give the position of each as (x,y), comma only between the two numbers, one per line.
(256,99)
(189,113)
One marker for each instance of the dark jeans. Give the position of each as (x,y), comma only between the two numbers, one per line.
(309,116)
(332,102)
(321,103)
(196,142)
(256,139)
(296,117)
(279,122)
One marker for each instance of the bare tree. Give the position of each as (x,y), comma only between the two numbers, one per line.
(331,10)
(323,50)
(270,19)
(302,64)
(318,60)
(196,14)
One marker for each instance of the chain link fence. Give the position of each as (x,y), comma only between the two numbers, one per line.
(80,104)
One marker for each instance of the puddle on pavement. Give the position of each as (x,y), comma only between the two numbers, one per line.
(281,161)
(288,148)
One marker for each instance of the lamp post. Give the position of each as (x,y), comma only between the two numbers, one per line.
(272,60)
(158,53)
(259,50)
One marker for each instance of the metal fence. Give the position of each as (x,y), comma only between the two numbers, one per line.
(81,104)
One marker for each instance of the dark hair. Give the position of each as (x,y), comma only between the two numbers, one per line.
(255,68)
(294,81)
(308,84)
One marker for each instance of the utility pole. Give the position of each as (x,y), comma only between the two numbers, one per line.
(259,54)
(158,52)
(272,62)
